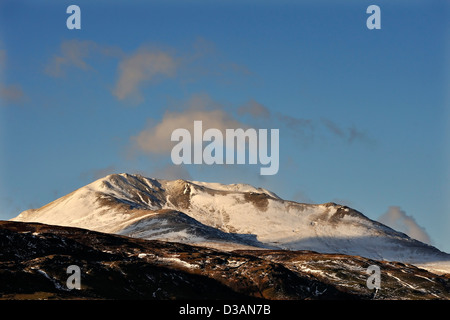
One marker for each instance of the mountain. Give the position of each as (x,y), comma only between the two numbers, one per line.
(229,217)
(35,257)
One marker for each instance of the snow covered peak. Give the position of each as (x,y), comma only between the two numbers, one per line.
(236,215)
(125,181)
(235,187)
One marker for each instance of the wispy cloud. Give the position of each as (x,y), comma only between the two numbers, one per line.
(75,54)
(205,60)
(398,220)
(155,138)
(304,129)
(11,94)
(255,109)
(142,66)
(148,65)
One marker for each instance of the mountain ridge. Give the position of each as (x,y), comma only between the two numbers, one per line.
(229,216)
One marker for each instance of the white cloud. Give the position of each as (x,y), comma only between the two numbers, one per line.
(156,137)
(144,65)
(397,219)
(148,64)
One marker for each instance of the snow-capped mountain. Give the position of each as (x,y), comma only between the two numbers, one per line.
(230,217)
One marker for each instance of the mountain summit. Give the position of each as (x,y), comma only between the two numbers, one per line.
(236,216)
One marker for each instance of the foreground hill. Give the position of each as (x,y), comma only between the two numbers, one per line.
(35,257)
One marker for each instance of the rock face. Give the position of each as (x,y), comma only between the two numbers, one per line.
(35,257)
(230,217)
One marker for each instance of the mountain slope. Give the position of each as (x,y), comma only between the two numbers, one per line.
(232,216)
(35,257)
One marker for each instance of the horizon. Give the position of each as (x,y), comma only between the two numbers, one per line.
(363,115)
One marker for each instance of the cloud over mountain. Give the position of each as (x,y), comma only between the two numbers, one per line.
(143,65)
(397,219)
(155,138)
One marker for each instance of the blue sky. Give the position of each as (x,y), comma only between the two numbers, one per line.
(363,114)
